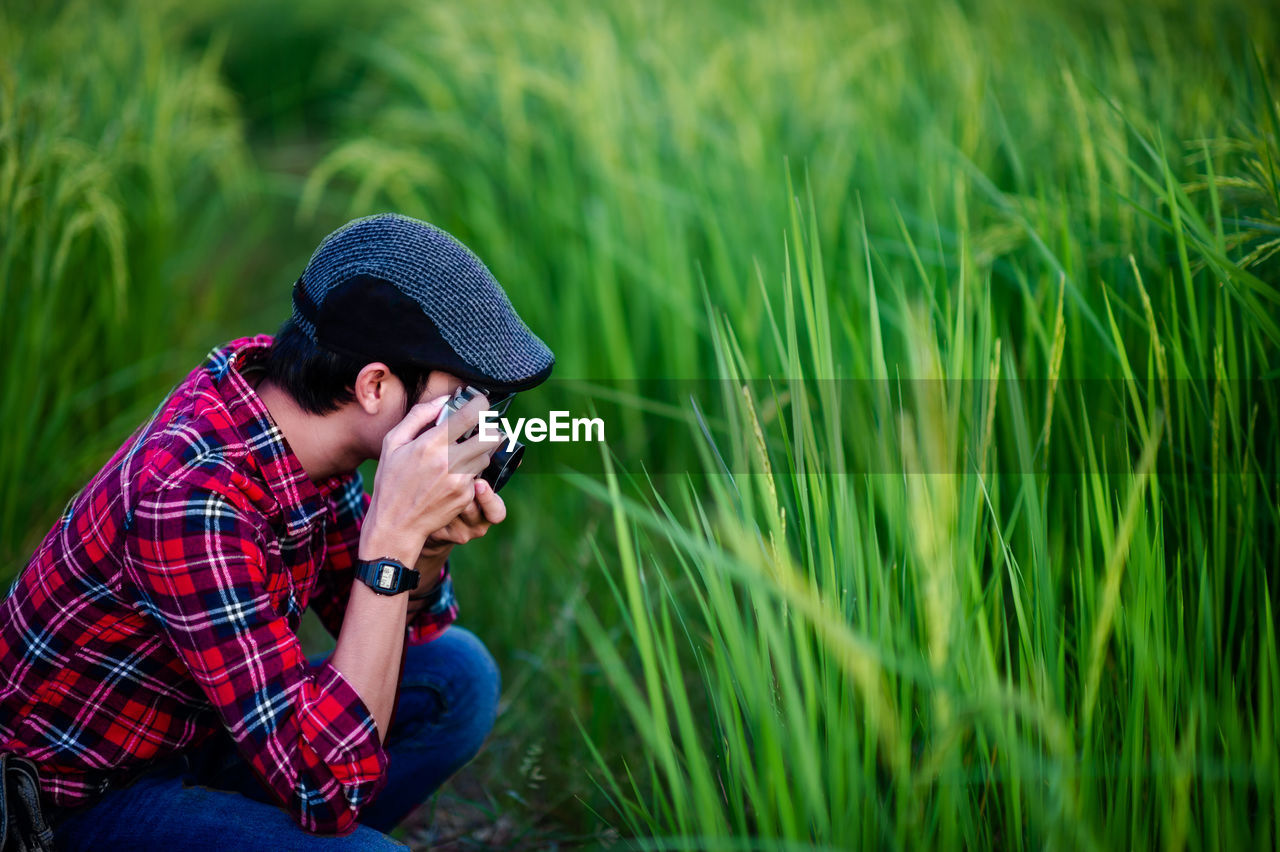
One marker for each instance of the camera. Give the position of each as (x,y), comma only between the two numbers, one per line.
(506,458)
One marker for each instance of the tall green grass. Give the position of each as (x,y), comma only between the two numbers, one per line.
(968,653)
(115,149)
(1045,628)
(138,225)
(930,587)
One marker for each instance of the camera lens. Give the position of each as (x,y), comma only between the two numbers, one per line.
(503,463)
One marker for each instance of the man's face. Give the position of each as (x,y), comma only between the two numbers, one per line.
(439,383)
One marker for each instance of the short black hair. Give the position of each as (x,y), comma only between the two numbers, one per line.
(321,381)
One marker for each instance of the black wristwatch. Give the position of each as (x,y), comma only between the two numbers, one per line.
(387,576)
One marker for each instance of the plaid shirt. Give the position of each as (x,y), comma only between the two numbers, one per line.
(165,604)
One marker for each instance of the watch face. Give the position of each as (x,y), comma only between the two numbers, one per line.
(386,575)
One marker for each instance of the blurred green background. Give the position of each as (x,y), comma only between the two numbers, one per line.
(1039,631)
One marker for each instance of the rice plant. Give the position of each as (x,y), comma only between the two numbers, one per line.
(971,538)
(965,653)
(1013,585)
(115,149)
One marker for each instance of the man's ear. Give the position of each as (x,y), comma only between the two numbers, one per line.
(374,387)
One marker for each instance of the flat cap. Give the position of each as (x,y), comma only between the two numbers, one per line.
(395,289)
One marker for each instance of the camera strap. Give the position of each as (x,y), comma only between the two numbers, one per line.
(22,825)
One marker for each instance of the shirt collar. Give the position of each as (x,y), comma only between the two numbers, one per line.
(301,500)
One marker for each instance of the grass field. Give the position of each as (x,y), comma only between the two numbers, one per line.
(940,507)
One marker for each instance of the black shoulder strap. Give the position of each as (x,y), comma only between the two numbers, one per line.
(4,801)
(22,825)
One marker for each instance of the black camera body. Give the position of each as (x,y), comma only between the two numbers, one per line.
(505,459)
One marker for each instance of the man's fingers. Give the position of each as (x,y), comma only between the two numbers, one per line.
(473,515)
(474,520)
(462,420)
(452,534)
(419,418)
(473,455)
(495,510)
(466,460)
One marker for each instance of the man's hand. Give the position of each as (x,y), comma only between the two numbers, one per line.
(425,480)
(472,522)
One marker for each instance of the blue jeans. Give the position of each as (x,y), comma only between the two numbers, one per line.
(209,799)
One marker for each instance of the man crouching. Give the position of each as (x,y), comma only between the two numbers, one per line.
(149,658)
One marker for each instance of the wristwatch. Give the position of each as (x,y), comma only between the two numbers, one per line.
(387,576)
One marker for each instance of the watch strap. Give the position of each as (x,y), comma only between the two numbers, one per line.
(439,599)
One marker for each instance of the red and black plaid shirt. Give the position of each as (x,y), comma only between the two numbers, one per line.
(165,604)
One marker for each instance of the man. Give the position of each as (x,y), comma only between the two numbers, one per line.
(149,661)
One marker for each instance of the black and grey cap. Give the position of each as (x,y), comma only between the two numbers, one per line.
(395,289)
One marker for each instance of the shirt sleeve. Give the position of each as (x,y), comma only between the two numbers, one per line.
(333,586)
(200,570)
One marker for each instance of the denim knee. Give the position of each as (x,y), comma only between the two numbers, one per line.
(459,676)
